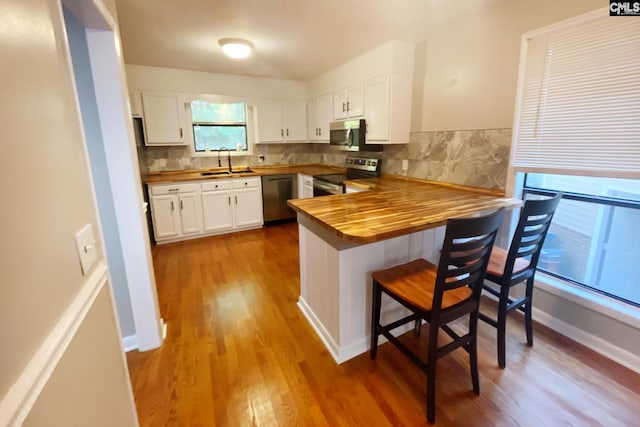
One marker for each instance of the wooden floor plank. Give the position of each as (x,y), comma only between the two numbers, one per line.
(239,353)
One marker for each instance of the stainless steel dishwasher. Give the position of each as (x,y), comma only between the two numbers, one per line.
(276,190)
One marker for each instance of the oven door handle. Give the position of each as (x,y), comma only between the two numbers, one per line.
(329,188)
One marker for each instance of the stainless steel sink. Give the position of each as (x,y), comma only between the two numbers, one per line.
(232,172)
(215,173)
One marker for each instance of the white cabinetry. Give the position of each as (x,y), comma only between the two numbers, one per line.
(195,209)
(176,210)
(162,119)
(387,108)
(305,186)
(348,102)
(248,202)
(281,121)
(319,115)
(216,205)
(231,204)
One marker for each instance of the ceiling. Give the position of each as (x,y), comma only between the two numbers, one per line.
(294,39)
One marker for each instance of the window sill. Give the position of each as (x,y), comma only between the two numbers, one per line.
(609,307)
(223,154)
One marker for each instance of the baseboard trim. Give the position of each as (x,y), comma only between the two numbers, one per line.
(22,395)
(591,341)
(130,343)
(320,330)
(342,354)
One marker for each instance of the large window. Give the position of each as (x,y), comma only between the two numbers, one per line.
(594,239)
(218,126)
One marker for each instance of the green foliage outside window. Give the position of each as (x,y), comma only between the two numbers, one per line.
(219,126)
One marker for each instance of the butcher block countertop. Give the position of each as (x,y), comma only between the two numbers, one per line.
(394,206)
(197,174)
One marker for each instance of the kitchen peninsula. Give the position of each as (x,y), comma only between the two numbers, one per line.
(345,237)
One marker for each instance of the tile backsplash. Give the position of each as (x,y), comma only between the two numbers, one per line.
(477,158)
(471,157)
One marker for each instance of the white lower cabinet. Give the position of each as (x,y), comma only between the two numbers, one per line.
(194,209)
(248,202)
(305,186)
(216,206)
(176,210)
(166,220)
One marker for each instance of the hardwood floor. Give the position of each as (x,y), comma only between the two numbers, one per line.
(240,353)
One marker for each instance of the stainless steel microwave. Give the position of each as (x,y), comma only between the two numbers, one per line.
(351,135)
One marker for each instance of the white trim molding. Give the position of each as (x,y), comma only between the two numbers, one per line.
(22,395)
(597,344)
(130,343)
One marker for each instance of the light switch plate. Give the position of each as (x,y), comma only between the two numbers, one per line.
(405,164)
(87,250)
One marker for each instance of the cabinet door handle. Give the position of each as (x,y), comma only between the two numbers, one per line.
(281,132)
(319,131)
(348,105)
(173,189)
(180,132)
(236,200)
(181,206)
(172,205)
(343,107)
(287,131)
(229,200)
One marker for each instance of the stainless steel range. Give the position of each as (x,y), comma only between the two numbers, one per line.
(357,167)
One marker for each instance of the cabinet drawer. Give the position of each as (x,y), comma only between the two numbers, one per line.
(157,190)
(216,185)
(246,183)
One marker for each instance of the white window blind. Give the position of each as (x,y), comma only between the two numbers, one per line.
(579,109)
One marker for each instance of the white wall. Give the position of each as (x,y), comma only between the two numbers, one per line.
(391,57)
(44,296)
(467,67)
(173,80)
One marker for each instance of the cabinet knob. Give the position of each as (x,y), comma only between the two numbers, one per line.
(216,185)
(246,183)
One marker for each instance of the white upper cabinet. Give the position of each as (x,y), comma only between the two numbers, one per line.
(388,108)
(162,119)
(319,115)
(376,95)
(281,121)
(376,86)
(348,102)
(295,119)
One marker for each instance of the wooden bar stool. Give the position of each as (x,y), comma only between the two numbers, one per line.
(440,295)
(518,266)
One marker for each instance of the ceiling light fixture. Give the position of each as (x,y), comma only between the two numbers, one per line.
(236,48)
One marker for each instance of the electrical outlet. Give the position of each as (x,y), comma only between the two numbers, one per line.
(405,164)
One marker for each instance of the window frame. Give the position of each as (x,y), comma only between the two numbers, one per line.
(585,198)
(221,99)
(560,288)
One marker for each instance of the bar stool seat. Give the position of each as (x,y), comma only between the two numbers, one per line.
(414,282)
